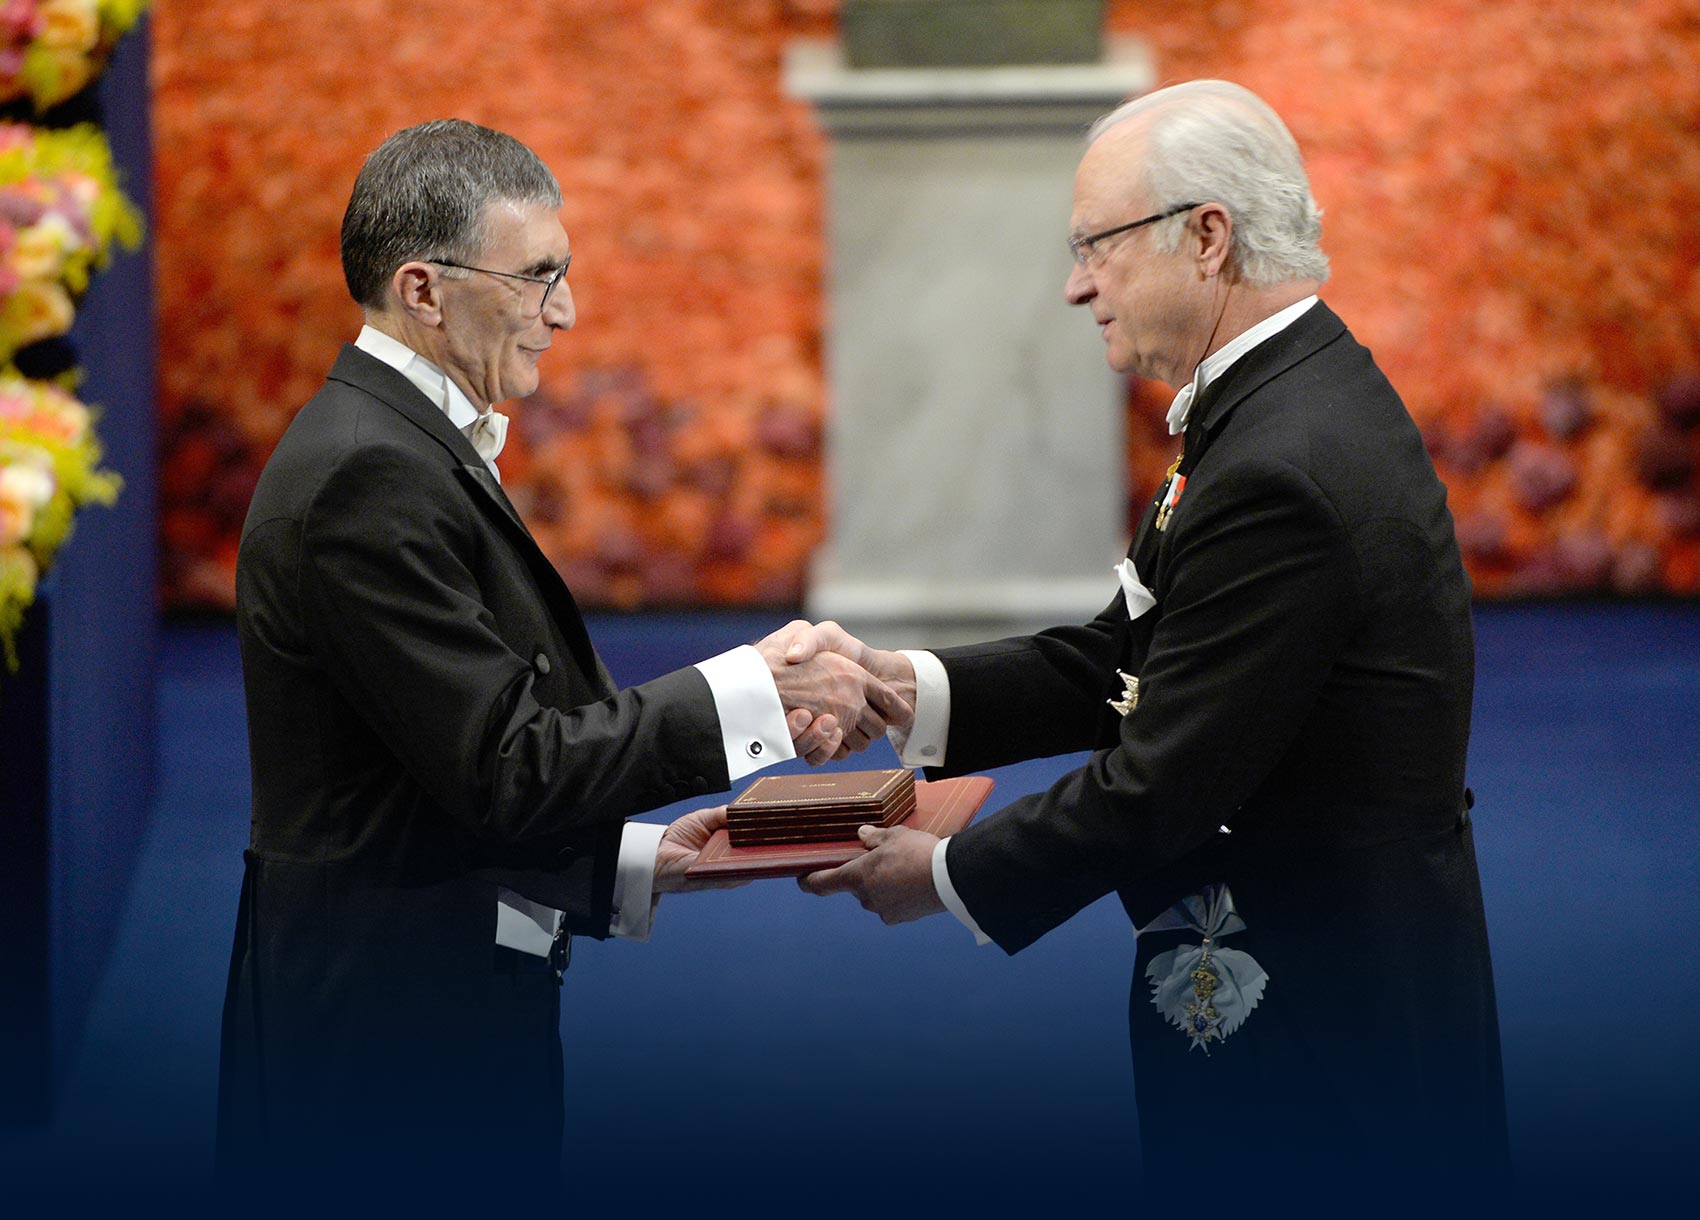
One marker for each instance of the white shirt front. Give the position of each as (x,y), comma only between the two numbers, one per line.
(924,745)
(752,719)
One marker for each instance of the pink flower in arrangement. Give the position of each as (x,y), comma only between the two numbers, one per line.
(19,207)
(51,49)
(60,213)
(37,412)
(20,20)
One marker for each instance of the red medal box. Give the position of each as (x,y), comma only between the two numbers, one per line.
(942,807)
(819,807)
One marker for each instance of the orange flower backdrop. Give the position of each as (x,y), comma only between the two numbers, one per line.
(1510,193)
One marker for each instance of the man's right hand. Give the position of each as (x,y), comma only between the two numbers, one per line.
(806,644)
(813,676)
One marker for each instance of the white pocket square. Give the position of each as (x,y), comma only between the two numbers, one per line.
(1139,598)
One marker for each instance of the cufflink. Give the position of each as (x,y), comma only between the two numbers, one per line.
(929,751)
(754,749)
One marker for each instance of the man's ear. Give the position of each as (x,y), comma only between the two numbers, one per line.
(1212,231)
(419,293)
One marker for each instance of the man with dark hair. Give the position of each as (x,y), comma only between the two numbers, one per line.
(441,763)
(1277,705)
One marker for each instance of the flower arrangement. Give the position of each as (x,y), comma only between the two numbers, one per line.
(49,467)
(51,49)
(60,214)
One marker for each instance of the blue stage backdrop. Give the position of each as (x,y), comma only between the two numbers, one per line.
(770,1054)
(104,604)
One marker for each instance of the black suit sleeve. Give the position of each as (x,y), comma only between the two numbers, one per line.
(1029,696)
(393,605)
(1263,594)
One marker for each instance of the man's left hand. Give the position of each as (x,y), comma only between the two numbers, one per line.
(894,879)
(680,846)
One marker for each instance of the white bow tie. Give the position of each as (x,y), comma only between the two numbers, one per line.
(1181,407)
(488,433)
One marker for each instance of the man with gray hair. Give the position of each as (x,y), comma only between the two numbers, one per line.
(1276,701)
(441,764)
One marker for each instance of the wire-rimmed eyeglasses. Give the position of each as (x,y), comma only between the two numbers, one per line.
(1081,247)
(548,281)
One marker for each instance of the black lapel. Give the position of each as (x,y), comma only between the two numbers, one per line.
(1132,636)
(491,487)
(1315,329)
(1318,327)
(1143,551)
(369,374)
(564,609)
(372,376)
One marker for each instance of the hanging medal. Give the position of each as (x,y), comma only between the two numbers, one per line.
(1171,497)
(1204,990)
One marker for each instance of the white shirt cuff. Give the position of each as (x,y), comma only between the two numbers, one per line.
(752,720)
(923,745)
(634,881)
(948,895)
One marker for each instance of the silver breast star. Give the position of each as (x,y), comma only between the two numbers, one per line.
(1130,694)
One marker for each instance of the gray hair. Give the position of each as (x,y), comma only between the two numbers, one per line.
(426,192)
(1211,141)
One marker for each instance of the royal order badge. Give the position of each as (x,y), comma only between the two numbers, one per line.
(1204,990)
(1130,694)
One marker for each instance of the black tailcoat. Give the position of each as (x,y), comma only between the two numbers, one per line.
(1305,681)
(427,720)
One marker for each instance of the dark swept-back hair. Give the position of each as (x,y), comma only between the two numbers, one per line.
(425,192)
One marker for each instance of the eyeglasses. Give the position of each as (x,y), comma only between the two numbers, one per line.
(548,282)
(1081,247)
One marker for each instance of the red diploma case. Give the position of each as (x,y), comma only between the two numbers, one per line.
(942,807)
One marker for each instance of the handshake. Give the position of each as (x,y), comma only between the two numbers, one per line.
(839,695)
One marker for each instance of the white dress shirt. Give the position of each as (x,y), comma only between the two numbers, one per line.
(924,744)
(752,719)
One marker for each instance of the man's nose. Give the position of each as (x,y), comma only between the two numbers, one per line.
(559,312)
(1079,289)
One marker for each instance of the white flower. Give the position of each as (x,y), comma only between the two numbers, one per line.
(28,484)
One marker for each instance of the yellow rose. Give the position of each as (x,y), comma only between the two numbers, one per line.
(35,310)
(73,25)
(39,252)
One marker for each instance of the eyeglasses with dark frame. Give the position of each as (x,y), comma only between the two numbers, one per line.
(1081,247)
(548,281)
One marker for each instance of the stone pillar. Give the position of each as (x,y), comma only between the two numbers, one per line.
(975,454)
